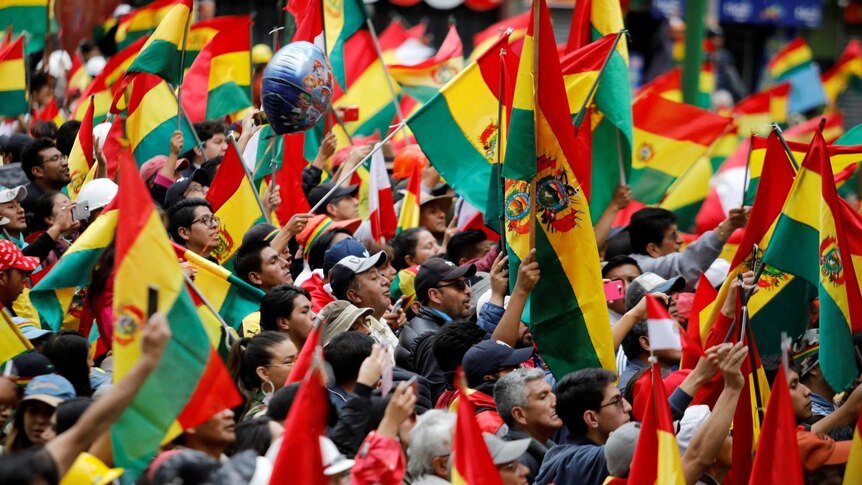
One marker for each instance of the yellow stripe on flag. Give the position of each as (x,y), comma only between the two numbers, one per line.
(225,68)
(157,106)
(12,75)
(661,153)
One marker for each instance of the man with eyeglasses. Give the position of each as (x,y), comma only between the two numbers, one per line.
(656,243)
(192,225)
(46,168)
(591,407)
(444,293)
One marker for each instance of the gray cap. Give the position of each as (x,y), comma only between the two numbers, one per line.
(503,452)
(651,283)
(620,448)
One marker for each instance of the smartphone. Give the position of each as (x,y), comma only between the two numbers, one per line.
(614,290)
(348,113)
(81,211)
(152,300)
(398,304)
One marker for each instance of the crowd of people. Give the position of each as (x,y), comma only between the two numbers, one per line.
(431,316)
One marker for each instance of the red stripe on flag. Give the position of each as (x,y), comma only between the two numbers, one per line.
(215,392)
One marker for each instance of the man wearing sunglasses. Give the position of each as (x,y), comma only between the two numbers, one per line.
(444,293)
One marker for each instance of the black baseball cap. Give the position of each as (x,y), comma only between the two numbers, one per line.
(317,194)
(490,356)
(435,270)
(177,189)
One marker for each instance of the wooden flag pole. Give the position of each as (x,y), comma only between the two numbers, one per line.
(579,118)
(182,70)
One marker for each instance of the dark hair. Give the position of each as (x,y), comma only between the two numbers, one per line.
(28,467)
(618,261)
(41,210)
(101,275)
(30,157)
(210,128)
(182,214)
(247,354)
(319,247)
(403,245)
(69,412)
(648,225)
(69,352)
(581,391)
(279,302)
(38,80)
(462,245)
(44,129)
(248,259)
(281,401)
(631,342)
(452,341)
(345,353)
(66,135)
(252,434)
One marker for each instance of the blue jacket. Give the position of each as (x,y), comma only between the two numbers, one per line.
(577,461)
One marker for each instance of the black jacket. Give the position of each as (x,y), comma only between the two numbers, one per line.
(417,341)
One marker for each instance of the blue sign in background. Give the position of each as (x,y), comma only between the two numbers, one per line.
(785,13)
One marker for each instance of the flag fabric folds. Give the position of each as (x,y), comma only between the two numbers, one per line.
(218,82)
(471,461)
(409,214)
(847,69)
(234,202)
(458,128)
(567,312)
(422,81)
(381,208)
(483,40)
(27,18)
(105,83)
(141,22)
(757,111)
(777,458)
(669,137)
(191,371)
(13,79)
(162,51)
(81,158)
(12,341)
(824,254)
(656,458)
(794,57)
(661,327)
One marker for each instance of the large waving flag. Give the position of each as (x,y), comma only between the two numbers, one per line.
(191,370)
(59,295)
(201,33)
(777,459)
(381,208)
(218,82)
(567,311)
(669,137)
(28,18)
(104,84)
(656,458)
(794,57)
(152,118)
(422,81)
(233,201)
(757,111)
(471,461)
(848,68)
(816,245)
(613,136)
(13,79)
(457,129)
(141,22)
(161,54)
(81,158)
(409,215)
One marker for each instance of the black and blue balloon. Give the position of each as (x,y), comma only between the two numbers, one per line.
(296,91)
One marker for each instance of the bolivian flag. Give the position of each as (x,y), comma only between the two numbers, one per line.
(656,458)
(59,296)
(191,382)
(669,138)
(817,239)
(202,32)
(81,156)
(13,79)
(49,112)
(777,458)
(152,118)
(794,57)
(667,85)
(409,216)
(757,111)
(101,89)
(233,201)
(567,310)
(848,67)
(161,54)
(219,81)
(12,341)
(422,81)
(457,129)
(27,17)
(483,40)
(78,77)
(141,22)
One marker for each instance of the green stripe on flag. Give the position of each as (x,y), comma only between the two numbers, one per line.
(835,336)
(228,98)
(154,142)
(649,185)
(520,160)
(790,240)
(161,58)
(73,270)
(13,103)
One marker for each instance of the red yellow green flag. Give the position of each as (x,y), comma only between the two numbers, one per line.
(669,137)
(759,110)
(218,82)
(202,32)
(28,18)
(422,81)
(191,382)
(105,83)
(49,112)
(12,341)
(141,22)
(471,461)
(79,79)
(161,54)
(795,56)
(409,215)
(848,67)
(13,79)
(81,156)
(656,458)
(667,85)
(567,310)
(233,201)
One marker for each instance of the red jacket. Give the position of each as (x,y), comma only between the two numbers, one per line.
(486,412)
(319,296)
(379,461)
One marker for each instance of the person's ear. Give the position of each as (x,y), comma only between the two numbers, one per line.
(653,250)
(37,171)
(254,277)
(283,324)
(434,296)
(415,306)
(262,373)
(440,465)
(198,151)
(519,416)
(185,233)
(409,260)
(643,340)
(591,418)
(331,209)
(352,296)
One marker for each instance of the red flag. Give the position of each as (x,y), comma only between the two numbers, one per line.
(116,147)
(308,15)
(289,178)
(299,459)
(471,461)
(777,459)
(692,343)
(306,355)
